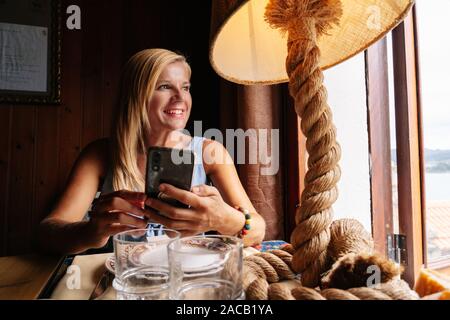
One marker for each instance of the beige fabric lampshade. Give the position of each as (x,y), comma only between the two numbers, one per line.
(245,49)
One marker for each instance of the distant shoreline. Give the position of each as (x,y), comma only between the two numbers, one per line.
(431,170)
(436,161)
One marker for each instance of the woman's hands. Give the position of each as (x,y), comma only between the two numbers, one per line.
(123,210)
(116,212)
(207,210)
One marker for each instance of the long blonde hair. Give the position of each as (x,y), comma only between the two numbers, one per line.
(138,83)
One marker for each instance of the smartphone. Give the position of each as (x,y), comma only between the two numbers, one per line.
(171,166)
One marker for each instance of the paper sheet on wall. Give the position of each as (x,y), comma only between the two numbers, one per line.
(23,57)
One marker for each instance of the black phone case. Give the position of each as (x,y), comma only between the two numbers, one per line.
(161,169)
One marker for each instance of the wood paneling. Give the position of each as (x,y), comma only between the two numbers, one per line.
(39,143)
(46,162)
(5,142)
(70,112)
(20,200)
(112,38)
(92,73)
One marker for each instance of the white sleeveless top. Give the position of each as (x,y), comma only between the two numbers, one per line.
(199,176)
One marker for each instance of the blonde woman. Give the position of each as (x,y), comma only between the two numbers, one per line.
(154,105)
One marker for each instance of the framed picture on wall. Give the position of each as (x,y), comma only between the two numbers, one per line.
(30,53)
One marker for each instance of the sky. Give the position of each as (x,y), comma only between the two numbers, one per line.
(434,46)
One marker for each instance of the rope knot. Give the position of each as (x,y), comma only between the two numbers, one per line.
(302,29)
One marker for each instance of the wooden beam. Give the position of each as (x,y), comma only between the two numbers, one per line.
(408,146)
(379,143)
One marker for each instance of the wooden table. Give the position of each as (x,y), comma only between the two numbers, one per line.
(26,277)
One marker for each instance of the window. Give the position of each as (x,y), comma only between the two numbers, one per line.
(393,135)
(347,100)
(434,53)
(419,126)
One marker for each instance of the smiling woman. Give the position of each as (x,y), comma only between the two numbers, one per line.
(172,89)
(155,84)
(170,104)
(153,109)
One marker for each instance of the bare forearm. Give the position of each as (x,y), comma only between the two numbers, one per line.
(57,236)
(235,221)
(256,233)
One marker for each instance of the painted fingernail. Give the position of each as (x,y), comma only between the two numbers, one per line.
(162,187)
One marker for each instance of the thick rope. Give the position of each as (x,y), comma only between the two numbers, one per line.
(348,236)
(259,287)
(282,290)
(393,290)
(303,20)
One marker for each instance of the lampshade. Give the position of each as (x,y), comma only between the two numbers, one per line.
(246,50)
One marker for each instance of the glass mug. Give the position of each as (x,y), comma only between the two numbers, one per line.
(141,263)
(206,267)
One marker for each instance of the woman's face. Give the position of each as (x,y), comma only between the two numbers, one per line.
(170,105)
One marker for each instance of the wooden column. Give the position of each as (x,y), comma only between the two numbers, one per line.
(379,143)
(408,146)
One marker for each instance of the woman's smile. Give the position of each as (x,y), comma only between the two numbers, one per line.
(170,105)
(175,111)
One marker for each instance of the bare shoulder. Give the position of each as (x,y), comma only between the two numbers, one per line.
(215,155)
(83,182)
(208,143)
(96,155)
(98,147)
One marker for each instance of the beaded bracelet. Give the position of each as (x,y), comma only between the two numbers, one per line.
(248,217)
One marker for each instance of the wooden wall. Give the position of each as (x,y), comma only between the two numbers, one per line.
(38,143)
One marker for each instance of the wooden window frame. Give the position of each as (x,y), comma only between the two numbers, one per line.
(377,86)
(442,263)
(410,146)
(410,156)
(408,122)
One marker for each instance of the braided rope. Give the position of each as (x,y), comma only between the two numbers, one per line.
(258,287)
(311,236)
